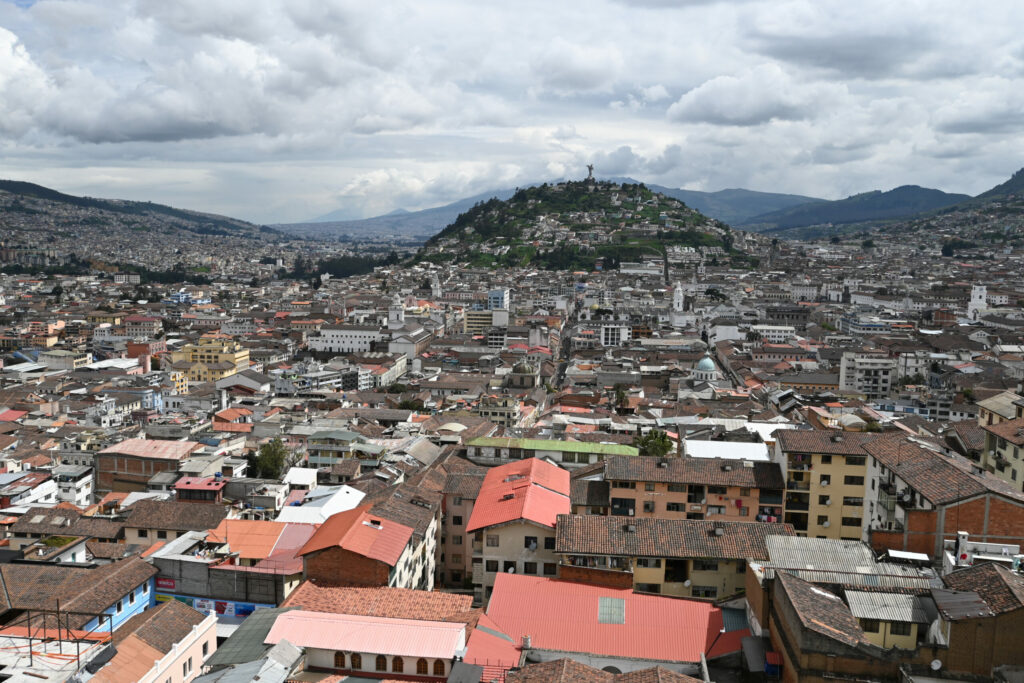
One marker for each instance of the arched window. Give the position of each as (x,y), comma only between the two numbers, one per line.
(439,667)
(357,660)
(339,660)
(421,667)
(397,664)
(382,663)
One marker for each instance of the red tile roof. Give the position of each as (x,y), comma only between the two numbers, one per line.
(153,448)
(356,531)
(530,489)
(383,601)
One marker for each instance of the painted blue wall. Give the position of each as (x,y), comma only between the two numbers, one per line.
(135,601)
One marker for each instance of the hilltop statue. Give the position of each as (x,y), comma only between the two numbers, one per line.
(590,171)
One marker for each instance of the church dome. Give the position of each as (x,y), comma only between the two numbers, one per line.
(706,364)
(522,368)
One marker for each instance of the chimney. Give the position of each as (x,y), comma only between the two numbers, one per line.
(527,642)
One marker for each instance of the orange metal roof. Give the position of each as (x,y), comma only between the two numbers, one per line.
(355,531)
(530,489)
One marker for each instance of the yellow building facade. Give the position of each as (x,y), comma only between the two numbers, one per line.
(212,358)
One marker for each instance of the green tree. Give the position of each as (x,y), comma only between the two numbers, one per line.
(654,443)
(271,460)
(867,244)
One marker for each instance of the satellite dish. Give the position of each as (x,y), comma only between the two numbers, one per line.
(687,583)
(511,570)
(936,664)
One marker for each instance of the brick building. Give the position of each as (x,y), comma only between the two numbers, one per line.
(128,466)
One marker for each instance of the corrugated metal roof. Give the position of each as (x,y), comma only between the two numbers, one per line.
(795,552)
(655,627)
(551,445)
(379,635)
(886,607)
(529,489)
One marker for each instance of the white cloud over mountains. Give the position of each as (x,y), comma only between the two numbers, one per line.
(286,109)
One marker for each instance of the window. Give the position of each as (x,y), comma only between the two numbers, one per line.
(899,628)
(492,565)
(530,542)
(741,566)
(457,539)
(649,486)
(675,507)
(825,480)
(852,501)
(530,568)
(716,509)
(206,649)
(550,569)
(397,664)
(744,511)
(143,533)
(851,521)
(131,598)
(623,484)
(457,559)
(161,534)
(549,543)
(648,506)
(705,566)
(439,667)
(853,481)
(744,492)
(648,562)
(677,488)
(509,567)
(856,460)
(382,663)
(676,571)
(456,500)
(120,606)
(822,519)
(339,660)
(826,460)
(357,660)
(457,520)
(492,540)
(648,588)
(823,500)
(716,490)
(704,592)
(421,667)
(869,625)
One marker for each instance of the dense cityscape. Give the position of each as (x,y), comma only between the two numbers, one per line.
(625,341)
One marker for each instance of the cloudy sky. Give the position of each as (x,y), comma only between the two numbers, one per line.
(282,111)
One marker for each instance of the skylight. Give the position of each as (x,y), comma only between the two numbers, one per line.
(611,611)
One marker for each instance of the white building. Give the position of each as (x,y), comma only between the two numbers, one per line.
(867,372)
(345,338)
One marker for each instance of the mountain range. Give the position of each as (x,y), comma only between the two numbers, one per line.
(746,209)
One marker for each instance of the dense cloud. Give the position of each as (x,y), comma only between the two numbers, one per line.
(282,110)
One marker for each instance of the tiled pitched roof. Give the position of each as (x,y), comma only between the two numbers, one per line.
(826,442)
(972,435)
(600,535)
(399,603)
(706,471)
(65,521)
(1011,430)
(939,478)
(78,589)
(821,611)
(464,485)
(175,515)
(161,627)
(589,492)
(1001,589)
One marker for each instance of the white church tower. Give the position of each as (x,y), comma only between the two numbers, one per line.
(678,298)
(396,313)
(978,302)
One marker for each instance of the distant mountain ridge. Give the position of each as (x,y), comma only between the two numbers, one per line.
(900,202)
(192,221)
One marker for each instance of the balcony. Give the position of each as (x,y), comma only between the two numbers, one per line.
(798,485)
(887,487)
(774,498)
(800,466)
(796,506)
